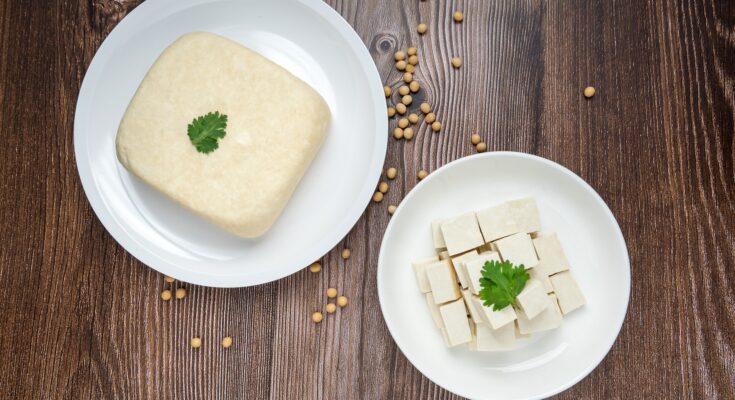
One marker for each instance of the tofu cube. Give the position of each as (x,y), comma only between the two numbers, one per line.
(525,214)
(549,319)
(539,273)
(419,267)
(496,319)
(443,281)
(567,291)
(454,316)
(489,339)
(473,269)
(436,235)
(533,299)
(444,336)
(458,263)
(518,249)
(475,314)
(496,222)
(434,310)
(461,234)
(549,251)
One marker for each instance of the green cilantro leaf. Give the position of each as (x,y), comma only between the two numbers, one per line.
(501,282)
(204,131)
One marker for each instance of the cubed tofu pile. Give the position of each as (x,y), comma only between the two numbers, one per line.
(450,280)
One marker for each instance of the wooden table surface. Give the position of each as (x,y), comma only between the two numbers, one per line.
(81,318)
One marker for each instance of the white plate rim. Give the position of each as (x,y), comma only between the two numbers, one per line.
(93,73)
(620,318)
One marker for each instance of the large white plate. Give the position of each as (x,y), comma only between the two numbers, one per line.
(549,362)
(306,37)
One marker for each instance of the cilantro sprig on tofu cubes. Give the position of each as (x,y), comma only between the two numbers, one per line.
(495,277)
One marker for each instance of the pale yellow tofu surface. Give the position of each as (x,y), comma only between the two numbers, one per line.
(518,249)
(473,269)
(419,268)
(533,299)
(276,123)
(443,281)
(549,251)
(496,222)
(458,263)
(469,301)
(567,291)
(496,319)
(550,318)
(525,214)
(489,339)
(436,235)
(539,273)
(434,310)
(456,324)
(461,233)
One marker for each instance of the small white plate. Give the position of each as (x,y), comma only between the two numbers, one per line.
(548,362)
(306,37)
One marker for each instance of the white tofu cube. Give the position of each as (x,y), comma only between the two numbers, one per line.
(458,263)
(419,268)
(454,316)
(549,251)
(473,269)
(475,314)
(462,234)
(496,319)
(489,339)
(434,311)
(443,281)
(525,213)
(567,291)
(436,235)
(539,273)
(496,222)
(533,299)
(548,319)
(518,249)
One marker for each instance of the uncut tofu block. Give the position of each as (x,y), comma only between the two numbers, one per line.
(443,281)
(567,291)
(244,184)
(419,267)
(458,263)
(489,339)
(518,249)
(473,269)
(496,319)
(434,311)
(436,235)
(462,233)
(525,214)
(469,302)
(533,299)
(496,222)
(549,319)
(454,316)
(549,251)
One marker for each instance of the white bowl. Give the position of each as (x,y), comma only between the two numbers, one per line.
(308,38)
(548,362)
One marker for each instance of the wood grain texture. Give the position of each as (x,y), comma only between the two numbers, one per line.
(81,318)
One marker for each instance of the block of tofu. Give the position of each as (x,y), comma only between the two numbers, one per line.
(419,268)
(539,273)
(533,299)
(525,214)
(469,302)
(436,235)
(549,251)
(445,336)
(496,222)
(518,249)
(443,281)
(473,269)
(458,263)
(244,182)
(496,319)
(434,311)
(461,233)
(454,316)
(567,291)
(488,339)
(548,319)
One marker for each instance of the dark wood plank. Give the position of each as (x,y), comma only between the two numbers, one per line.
(81,318)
